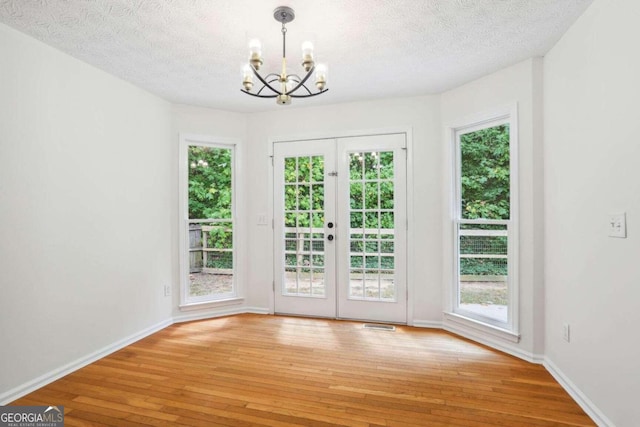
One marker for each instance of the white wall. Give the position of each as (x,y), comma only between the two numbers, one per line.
(421,114)
(592,149)
(85,173)
(521,84)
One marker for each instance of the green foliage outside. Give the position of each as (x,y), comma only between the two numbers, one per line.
(485,173)
(485,188)
(209,183)
(210,193)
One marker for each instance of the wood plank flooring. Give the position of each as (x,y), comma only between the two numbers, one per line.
(254,370)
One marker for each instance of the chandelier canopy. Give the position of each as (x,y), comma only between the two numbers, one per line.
(283,86)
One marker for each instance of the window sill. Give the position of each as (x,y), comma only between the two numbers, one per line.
(459,321)
(210,304)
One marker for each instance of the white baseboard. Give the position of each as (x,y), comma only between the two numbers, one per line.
(493,343)
(209,314)
(581,399)
(60,372)
(220,312)
(426,324)
(257,310)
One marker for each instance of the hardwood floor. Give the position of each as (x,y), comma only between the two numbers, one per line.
(254,370)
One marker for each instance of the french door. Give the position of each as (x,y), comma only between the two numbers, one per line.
(340,228)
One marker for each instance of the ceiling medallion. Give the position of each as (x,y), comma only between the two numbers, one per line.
(290,85)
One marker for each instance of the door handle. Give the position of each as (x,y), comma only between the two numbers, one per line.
(330,225)
(330,237)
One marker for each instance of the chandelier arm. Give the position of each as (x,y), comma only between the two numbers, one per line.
(257,95)
(307,96)
(263,86)
(264,82)
(308,91)
(303,81)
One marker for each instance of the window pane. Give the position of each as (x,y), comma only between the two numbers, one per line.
(484,169)
(484,270)
(209,182)
(210,259)
(210,229)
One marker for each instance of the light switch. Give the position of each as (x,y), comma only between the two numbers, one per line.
(262,219)
(618,225)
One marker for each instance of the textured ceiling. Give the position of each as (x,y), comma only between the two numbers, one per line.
(191,51)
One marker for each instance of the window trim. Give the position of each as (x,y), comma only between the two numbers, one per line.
(498,116)
(207,301)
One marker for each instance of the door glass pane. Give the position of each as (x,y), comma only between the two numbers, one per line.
(371,237)
(210,225)
(304,262)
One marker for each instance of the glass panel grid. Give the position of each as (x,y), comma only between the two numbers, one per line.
(372,225)
(304,227)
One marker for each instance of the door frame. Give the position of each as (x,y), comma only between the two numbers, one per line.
(408,132)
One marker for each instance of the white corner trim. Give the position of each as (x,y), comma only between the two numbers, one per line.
(458,321)
(257,310)
(495,344)
(210,304)
(485,335)
(581,399)
(70,367)
(212,314)
(427,324)
(209,314)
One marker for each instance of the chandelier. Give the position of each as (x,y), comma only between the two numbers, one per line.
(283,86)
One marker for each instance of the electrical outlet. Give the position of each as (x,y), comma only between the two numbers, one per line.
(167,290)
(262,219)
(566,332)
(618,225)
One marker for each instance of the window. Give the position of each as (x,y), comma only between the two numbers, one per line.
(208,225)
(485,239)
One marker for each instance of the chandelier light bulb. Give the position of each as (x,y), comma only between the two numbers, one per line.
(255,46)
(255,53)
(307,55)
(321,76)
(307,48)
(247,77)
